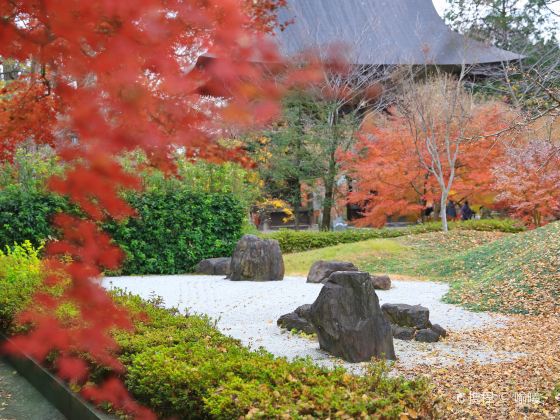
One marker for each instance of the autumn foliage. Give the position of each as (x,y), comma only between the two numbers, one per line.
(528,180)
(391,178)
(120,76)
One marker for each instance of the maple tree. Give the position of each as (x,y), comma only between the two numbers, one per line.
(421,154)
(528,179)
(116,76)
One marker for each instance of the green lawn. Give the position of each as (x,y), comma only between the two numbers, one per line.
(513,273)
(414,255)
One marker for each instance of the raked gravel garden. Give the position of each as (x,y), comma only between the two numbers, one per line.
(248,311)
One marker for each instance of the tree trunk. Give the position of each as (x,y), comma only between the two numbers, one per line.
(443,205)
(296,214)
(327,206)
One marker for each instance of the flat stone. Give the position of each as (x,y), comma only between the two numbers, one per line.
(403,333)
(439,330)
(427,335)
(321,270)
(214,266)
(404,315)
(349,321)
(293,321)
(381,282)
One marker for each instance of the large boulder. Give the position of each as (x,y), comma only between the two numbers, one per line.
(321,270)
(297,320)
(381,282)
(256,259)
(214,266)
(405,315)
(348,320)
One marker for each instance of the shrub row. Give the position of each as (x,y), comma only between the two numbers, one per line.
(174,230)
(183,367)
(299,241)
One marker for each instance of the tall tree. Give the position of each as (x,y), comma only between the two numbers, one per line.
(398,168)
(433,145)
(285,153)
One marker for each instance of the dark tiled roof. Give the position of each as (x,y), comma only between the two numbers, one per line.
(381,32)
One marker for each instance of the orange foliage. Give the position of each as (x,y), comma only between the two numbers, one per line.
(528,178)
(390,180)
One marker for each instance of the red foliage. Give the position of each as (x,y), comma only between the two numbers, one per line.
(119,78)
(25,104)
(390,180)
(528,179)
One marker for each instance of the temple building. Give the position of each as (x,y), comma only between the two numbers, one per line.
(381,32)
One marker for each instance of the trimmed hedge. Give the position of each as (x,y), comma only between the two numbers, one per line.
(299,241)
(26,215)
(183,367)
(174,230)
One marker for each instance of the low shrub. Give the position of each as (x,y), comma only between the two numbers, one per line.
(299,241)
(20,275)
(183,367)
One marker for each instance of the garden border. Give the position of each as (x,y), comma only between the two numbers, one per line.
(70,404)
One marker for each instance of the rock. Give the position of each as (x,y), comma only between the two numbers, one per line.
(426,335)
(405,315)
(381,282)
(256,259)
(304,311)
(403,333)
(348,319)
(321,270)
(214,266)
(293,321)
(439,330)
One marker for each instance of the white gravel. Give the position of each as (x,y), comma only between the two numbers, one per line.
(248,311)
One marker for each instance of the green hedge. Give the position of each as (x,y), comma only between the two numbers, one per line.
(177,228)
(174,230)
(183,367)
(26,215)
(299,241)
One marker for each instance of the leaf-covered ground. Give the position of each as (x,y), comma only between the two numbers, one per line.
(518,274)
(525,387)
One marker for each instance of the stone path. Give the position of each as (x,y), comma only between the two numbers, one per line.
(19,400)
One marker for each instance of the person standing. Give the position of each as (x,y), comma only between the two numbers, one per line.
(466,211)
(450,210)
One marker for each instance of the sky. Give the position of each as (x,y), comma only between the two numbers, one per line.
(440,6)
